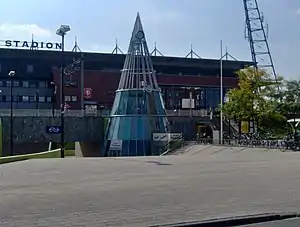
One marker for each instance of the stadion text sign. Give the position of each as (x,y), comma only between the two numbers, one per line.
(32,44)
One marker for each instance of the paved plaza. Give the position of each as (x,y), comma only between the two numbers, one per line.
(203,183)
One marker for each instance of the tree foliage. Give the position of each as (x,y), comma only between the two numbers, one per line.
(258,98)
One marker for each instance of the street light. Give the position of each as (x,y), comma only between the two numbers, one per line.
(53,86)
(62,31)
(11,74)
(221,94)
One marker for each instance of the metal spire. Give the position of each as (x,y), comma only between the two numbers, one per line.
(138,112)
(76,48)
(138,72)
(228,55)
(155,51)
(117,48)
(192,53)
(32,41)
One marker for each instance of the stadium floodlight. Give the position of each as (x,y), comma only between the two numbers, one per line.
(11,73)
(62,31)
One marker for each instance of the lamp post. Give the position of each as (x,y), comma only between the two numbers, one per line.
(221,94)
(62,31)
(11,74)
(53,86)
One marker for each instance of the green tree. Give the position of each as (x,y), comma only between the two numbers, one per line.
(251,99)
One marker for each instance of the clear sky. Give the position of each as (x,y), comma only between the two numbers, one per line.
(173,24)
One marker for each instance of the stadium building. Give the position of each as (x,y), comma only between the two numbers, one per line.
(92,78)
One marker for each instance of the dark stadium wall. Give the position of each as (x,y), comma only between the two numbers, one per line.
(103,85)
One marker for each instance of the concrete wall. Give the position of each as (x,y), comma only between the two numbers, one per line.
(186,125)
(33,129)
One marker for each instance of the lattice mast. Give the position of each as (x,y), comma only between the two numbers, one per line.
(257,34)
(138,72)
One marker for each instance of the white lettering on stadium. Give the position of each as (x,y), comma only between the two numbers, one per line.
(26,44)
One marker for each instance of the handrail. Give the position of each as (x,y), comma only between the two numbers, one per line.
(96,113)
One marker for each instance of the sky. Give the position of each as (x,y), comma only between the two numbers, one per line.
(174,25)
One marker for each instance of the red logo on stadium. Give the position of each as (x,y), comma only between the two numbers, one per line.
(66,106)
(87,92)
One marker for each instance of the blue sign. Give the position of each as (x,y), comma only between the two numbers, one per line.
(54,129)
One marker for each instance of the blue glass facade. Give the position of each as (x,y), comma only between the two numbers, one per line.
(135,116)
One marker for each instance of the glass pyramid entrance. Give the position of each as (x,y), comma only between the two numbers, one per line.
(138,110)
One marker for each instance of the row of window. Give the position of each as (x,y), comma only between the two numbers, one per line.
(26,98)
(29,68)
(72,98)
(25,84)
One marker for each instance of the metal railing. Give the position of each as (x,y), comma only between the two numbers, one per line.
(263,143)
(49,113)
(186,113)
(83,113)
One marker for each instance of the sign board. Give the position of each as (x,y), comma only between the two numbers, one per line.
(32,44)
(164,137)
(53,129)
(87,93)
(245,127)
(90,109)
(188,103)
(160,137)
(175,136)
(116,145)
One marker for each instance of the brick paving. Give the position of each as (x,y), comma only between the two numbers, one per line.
(143,191)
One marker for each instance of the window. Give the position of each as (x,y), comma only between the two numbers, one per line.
(49,99)
(42,84)
(25,84)
(25,98)
(41,99)
(74,98)
(16,83)
(29,68)
(16,98)
(8,83)
(32,84)
(67,98)
(32,99)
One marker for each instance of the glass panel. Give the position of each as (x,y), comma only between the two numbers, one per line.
(67,98)
(134,129)
(29,68)
(159,104)
(25,98)
(25,84)
(111,128)
(124,130)
(41,99)
(32,98)
(32,84)
(123,103)
(74,98)
(151,103)
(116,103)
(49,99)
(16,83)
(42,84)
(132,103)
(116,129)
(8,83)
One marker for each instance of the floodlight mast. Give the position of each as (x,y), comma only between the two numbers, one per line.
(62,31)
